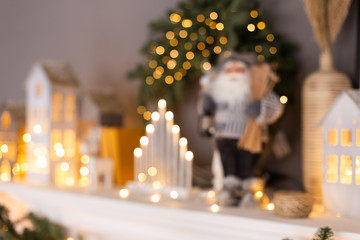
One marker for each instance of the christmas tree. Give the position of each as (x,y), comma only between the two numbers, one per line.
(191,39)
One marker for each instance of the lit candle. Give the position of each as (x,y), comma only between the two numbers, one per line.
(175,130)
(150,129)
(169,116)
(182,152)
(162,141)
(137,159)
(155,116)
(189,156)
(144,143)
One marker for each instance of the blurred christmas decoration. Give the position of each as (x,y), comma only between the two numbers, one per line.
(320,88)
(12,141)
(163,162)
(292,204)
(341,156)
(190,39)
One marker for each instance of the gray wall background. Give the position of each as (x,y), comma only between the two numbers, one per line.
(101,40)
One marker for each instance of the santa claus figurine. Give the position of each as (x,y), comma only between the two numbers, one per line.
(227,103)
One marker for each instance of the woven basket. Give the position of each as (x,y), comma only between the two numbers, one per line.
(292,204)
(319,91)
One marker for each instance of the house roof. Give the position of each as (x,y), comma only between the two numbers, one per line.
(107,103)
(59,73)
(353,94)
(16,110)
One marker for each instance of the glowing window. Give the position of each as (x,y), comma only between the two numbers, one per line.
(345,170)
(332,137)
(56,137)
(5,120)
(69,143)
(332,168)
(357,170)
(69,107)
(357,137)
(56,106)
(345,137)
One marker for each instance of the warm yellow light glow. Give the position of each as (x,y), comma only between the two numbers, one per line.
(258,194)
(178,75)
(144,141)
(206,66)
(201,46)
(215,208)
(147,115)
(43,150)
(37,129)
(332,168)
(189,156)
(69,238)
(183,142)
(169,116)
(183,33)
(209,39)
(37,152)
(124,193)
(42,162)
(157,74)
(170,35)
(190,55)
(84,171)
(220,26)
(69,181)
(283,99)
(27,137)
(270,206)
(258,48)
(138,152)
(156,185)
(175,129)
(345,170)
(211,194)
(149,80)
(217,49)
(227,54)
(160,50)
(254,14)
(159,70)
(261,25)
(273,50)
(142,177)
(153,64)
(155,198)
(57,146)
(171,64)
(84,181)
(16,169)
(174,53)
(270,37)
(85,159)
(200,18)
(186,65)
(188,46)
(152,171)
(174,194)
(186,23)
(64,166)
(175,18)
(24,167)
(202,30)
(4,148)
(193,36)
(205,54)
(213,15)
(169,79)
(150,128)
(60,152)
(165,59)
(174,42)
(345,137)
(162,103)
(357,170)
(223,40)
(251,27)
(260,57)
(4,177)
(155,116)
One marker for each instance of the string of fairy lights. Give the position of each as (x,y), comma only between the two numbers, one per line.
(193,44)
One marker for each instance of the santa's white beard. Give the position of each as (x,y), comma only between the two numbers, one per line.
(230,87)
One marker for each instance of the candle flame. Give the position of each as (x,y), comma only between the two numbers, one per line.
(150,128)
(155,116)
(183,142)
(144,141)
(175,129)
(138,152)
(162,103)
(189,156)
(169,115)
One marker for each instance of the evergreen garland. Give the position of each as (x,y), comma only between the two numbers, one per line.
(191,38)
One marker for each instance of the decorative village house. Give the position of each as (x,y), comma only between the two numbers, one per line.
(341,155)
(12,140)
(51,115)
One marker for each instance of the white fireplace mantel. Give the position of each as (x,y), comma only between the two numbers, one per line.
(108,217)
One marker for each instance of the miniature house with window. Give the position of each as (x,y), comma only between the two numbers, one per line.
(12,140)
(51,120)
(341,155)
